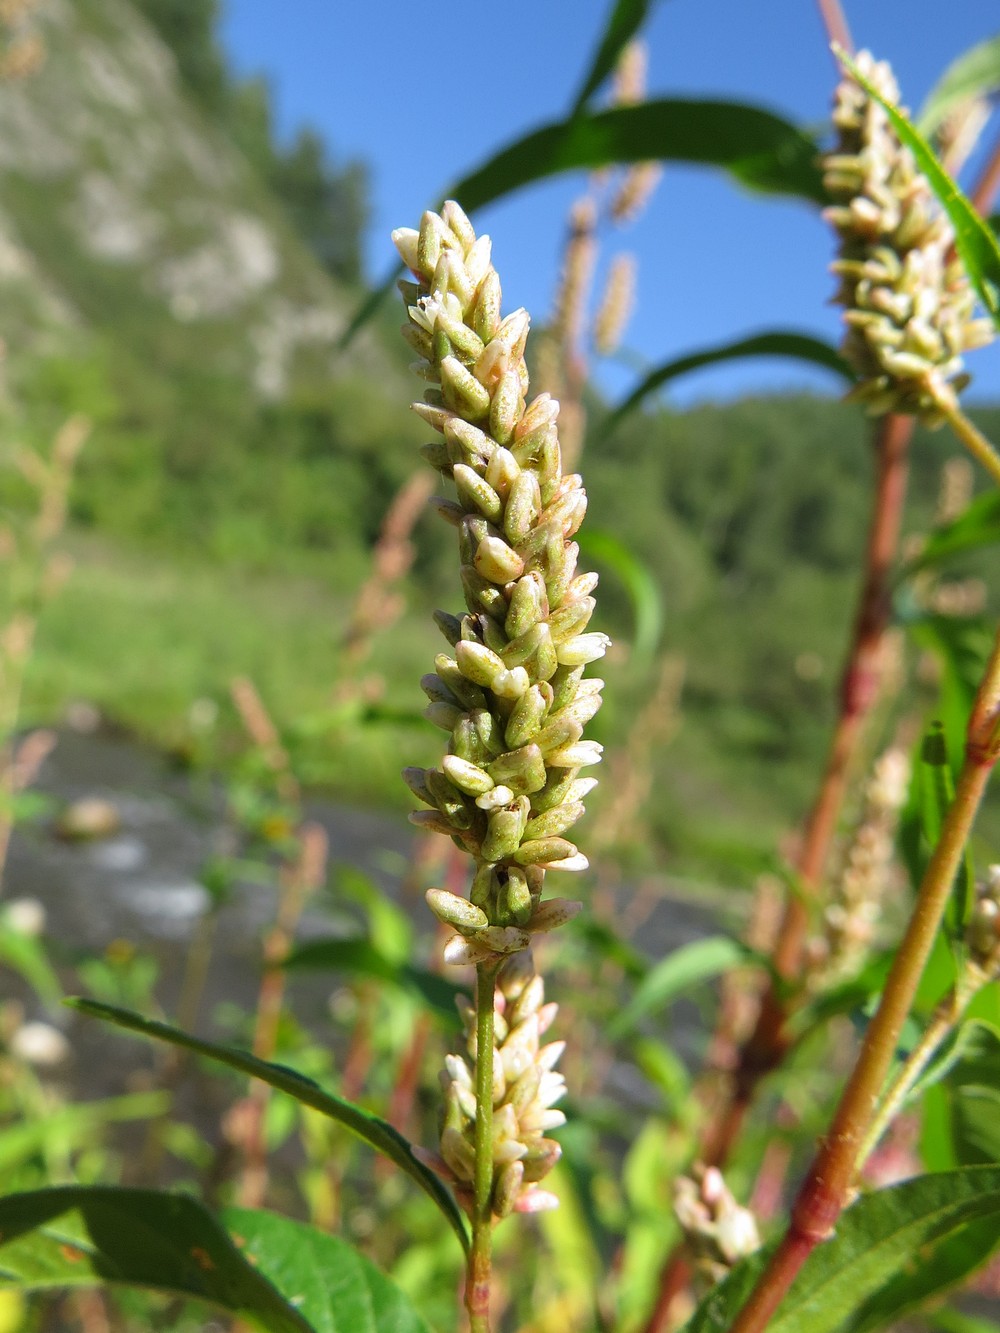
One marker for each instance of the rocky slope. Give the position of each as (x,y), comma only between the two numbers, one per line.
(123,210)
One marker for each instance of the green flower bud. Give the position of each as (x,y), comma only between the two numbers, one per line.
(455,911)
(523,769)
(467,777)
(541,851)
(475,493)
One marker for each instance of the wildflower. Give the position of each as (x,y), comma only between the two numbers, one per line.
(719,1231)
(908,303)
(525,1091)
(510,691)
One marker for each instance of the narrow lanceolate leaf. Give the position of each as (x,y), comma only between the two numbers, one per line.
(378,1133)
(627,17)
(955,1260)
(976,527)
(334,1287)
(776,342)
(606,549)
(975,73)
(686,967)
(80,1235)
(874,1246)
(361,958)
(976,244)
(757,147)
(284,1276)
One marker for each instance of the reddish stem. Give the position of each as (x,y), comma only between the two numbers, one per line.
(767,1045)
(835,24)
(985,189)
(828,1184)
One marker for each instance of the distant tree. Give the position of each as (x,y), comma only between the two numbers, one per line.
(329,205)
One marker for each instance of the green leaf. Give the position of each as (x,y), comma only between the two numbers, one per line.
(84,1235)
(976,244)
(975,73)
(285,1276)
(73,1124)
(627,17)
(874,1245)
(335,1288)
(972,1091)
(642,589)
(955,1259)
(361,958)
(758,148)
(776,342)
(378,1133)
(686,967)
(975,527)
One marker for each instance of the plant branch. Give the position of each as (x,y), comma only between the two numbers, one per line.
(827,1186)
(985,189)
(858,692)
(973,439)
(767,1044)
(835,24)
(477,1288)
(946,1017)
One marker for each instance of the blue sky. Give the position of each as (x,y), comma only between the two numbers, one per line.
(425,92)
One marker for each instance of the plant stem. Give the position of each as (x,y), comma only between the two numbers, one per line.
(478,1282)
(766,1047)
(946,1017)
(835,24)
(973,439)
(858,692)
(827,1186)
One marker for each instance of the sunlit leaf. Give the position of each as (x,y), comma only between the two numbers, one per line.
(975,73)
(776,342)
(284,1276)
(81,1235)
(874,1245)
(337,1289)
(975,242)
(955,1259)
(378,1133)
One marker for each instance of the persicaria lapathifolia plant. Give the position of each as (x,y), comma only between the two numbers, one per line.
(908,302)
(512,697)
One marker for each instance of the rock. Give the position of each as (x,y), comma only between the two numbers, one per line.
(91,817)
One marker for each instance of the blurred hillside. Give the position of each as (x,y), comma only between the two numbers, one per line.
(170,270)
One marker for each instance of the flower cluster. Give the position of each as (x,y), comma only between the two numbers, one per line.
(908,303)
(866,875)
(510,692)
(718,1230)
(983,929)
(525,1089)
